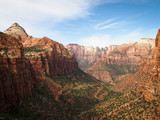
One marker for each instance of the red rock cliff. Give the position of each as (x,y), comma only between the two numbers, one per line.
(125,54)
(151,66)
(47,57)
(87,53)
(21,66)
(52,59)
(16,78)
(131,53)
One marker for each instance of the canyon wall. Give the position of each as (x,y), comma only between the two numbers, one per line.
(130,53)
(25,60)
(16,76)
(108,63)
(87,56)
(47,57)
(150,66)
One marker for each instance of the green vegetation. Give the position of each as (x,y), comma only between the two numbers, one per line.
(76,93)
(78,96)
(114,70)
(34,49)
(121,69)
(116,52)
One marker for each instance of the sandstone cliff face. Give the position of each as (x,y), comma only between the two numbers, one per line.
(150,86)
(16,77)
(87,56)
(131,53)
(25,60)
(46,56)
(87,53)
(52,59)
(125,54)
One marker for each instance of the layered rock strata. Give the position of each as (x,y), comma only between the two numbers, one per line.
(16,76)
(25,59)
(151,66)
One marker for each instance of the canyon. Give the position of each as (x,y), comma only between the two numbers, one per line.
(102,63)
(41,79)
(129,53)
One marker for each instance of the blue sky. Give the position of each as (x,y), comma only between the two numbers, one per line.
(86,22)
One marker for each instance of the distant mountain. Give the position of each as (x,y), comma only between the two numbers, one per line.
(88,55)
(103,63)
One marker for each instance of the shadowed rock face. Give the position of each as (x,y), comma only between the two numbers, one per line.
(16,76)
(47,57)
(52,59)
(25,59)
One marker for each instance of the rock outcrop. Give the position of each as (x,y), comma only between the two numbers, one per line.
(87,56)
(46,56)
(150,86)
(125,54)
(87,53)
(25,60)
(17,31)
(50,58)
(16,76)
(102,62)
(131,53)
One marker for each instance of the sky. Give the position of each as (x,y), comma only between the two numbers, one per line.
(86,22)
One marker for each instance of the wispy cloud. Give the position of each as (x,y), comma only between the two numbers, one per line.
(109,24)
(39,17)
(42,15)
(40,11)
(53,10)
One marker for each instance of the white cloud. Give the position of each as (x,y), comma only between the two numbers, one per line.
(39,16)
(35,12)
(58,9)
(109,24)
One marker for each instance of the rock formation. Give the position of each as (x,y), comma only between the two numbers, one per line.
(86,56)
(125,54)
(46,56)
(17,31)
(131,53)
(25,60)
(16,76)
(51,58)
(150,67)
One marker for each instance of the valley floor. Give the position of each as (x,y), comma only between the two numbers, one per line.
(79,96)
